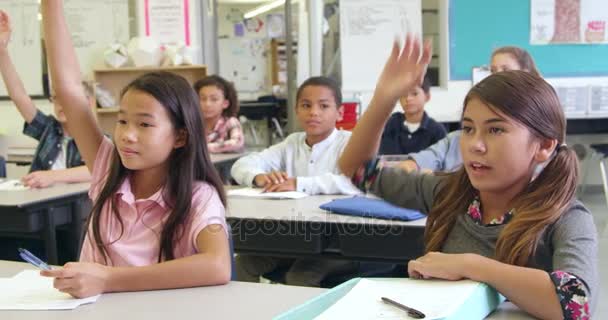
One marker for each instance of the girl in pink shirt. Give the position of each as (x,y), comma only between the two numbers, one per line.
(158,217)
(220,106)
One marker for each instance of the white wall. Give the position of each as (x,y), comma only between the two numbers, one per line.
(11,122)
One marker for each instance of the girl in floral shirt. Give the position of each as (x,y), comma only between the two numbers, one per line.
(220,106)
(497,219)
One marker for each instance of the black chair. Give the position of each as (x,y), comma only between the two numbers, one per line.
(2,167)
(365,270)
(232,260)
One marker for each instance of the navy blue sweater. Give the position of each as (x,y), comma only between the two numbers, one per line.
(397,139)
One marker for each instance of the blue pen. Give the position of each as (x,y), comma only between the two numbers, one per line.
(32,259)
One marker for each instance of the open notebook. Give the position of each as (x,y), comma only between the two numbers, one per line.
(28,290)
(257,193)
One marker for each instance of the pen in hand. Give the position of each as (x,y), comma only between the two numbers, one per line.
(32,259)
(410,311)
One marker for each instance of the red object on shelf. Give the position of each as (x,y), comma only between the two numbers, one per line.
(349,119)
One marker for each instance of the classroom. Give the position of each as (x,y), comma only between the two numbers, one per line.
(303,159)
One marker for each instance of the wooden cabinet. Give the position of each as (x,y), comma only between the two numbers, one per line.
(278,63)
(114,80)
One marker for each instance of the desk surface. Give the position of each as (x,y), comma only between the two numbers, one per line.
(26,154)
(218,158)
(305,209)
(236,300)
(33,196)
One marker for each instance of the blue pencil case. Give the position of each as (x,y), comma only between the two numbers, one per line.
(372,208)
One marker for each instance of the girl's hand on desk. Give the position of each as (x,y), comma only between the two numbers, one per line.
(441,266)
(80,279)
(39,179)
(287,185)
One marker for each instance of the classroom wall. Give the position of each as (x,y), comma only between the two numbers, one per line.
(11,122)
(445,103)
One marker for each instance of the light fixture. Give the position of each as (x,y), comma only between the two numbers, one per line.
(263,8)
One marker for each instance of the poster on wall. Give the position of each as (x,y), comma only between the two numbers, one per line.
(111,25)
(367,31)
(275,23)
(168,21)
(568,22)
(244,62)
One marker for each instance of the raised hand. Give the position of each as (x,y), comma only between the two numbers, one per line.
(404,68)
(5,30)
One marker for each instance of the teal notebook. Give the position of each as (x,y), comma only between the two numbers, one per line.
(437,299)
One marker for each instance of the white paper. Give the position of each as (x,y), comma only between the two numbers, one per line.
(435,298)
(12,185)
(367,32)
(28,290)
(168,21)
(257,193)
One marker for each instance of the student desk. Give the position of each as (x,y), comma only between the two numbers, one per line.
(236,300)
(299,229)
(21,156)
(38,212)
(223,163)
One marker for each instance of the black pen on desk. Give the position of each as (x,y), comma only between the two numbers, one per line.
(410,311)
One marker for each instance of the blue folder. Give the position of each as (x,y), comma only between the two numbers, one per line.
(373,208)
(479,304)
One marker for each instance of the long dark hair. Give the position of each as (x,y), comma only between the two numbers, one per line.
(532,102)
(523,58)
(189,163)
(226,87)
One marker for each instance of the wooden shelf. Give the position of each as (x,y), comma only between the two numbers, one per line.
(149,69)
(278,53)
(114,80)
(108,110)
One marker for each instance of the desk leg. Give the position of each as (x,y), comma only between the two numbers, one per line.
(50,237)
(269,125)
(77,226)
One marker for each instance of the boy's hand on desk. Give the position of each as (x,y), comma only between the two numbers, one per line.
(39,179)
(272,178)
(80,279)
(287,185)
(439,265)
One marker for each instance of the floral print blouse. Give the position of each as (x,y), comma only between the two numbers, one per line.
(571,291)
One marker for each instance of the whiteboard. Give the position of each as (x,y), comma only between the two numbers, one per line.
(367,31)
(25,47)
(244,62)
(95,25)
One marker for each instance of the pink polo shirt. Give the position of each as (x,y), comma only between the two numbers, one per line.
(143,220)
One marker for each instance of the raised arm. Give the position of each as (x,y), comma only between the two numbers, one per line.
(403,69)
(13,83)
(67,81)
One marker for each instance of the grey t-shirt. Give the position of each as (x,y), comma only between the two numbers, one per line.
(569,244)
